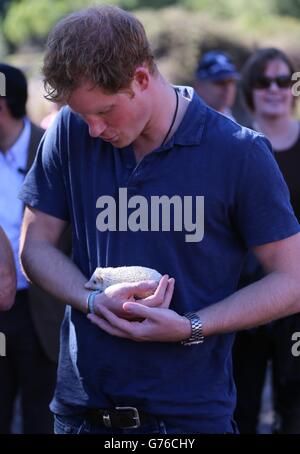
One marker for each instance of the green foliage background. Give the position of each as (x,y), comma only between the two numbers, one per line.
(179,30)
(31,20)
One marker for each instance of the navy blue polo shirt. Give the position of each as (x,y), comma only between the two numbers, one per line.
(229,186)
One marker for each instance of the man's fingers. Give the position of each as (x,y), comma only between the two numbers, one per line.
(169,293)
(140,288)
(106,326)
(158,297)
(125,326)
(137,310)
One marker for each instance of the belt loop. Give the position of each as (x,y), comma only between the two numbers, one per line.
(106,420)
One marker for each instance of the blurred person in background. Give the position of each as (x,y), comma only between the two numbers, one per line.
(216,81)
(7,273)
(32,325)
(266,83)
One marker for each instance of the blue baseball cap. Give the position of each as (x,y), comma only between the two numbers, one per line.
(216,65)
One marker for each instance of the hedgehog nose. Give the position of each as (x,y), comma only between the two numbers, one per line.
(87,285)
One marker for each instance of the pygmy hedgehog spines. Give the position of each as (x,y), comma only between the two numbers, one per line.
(105,277)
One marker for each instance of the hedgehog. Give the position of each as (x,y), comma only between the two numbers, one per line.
(105,277)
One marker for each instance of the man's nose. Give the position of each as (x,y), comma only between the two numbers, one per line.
(96,127)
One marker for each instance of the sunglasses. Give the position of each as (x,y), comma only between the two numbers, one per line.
(264,82)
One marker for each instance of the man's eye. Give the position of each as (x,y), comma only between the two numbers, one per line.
(105,112)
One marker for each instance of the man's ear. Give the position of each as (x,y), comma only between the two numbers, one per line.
(142,77)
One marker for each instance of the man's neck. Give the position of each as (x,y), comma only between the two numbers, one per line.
(10,132)
(163,105)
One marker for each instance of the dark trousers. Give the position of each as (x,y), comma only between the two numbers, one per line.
(252,351)
(26,370)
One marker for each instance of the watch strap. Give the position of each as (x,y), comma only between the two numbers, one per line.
(196,336)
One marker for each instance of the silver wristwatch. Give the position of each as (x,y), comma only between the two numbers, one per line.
(197,334)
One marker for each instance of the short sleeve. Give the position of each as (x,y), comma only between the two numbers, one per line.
(263,211)
(44,187)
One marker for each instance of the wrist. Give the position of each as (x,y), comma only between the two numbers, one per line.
(90,301)
(186,328)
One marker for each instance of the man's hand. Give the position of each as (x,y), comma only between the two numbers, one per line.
(114,297)
(158,324)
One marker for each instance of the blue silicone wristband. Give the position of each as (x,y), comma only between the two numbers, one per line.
(90,301)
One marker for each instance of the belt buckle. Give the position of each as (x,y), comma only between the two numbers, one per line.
(135,417)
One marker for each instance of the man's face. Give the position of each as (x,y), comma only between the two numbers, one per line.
(116,118)
(219,95)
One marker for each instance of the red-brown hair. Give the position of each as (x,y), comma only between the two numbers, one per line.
(103,45)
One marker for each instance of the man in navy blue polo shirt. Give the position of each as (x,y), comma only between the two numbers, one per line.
(146,174)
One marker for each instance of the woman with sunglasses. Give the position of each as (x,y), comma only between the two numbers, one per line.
(266,84)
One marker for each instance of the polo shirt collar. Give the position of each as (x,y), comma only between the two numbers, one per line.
(191,128)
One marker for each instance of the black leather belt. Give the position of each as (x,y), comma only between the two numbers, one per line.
(118,417)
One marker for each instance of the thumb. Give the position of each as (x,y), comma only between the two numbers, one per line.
(138,310)
(143,287)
